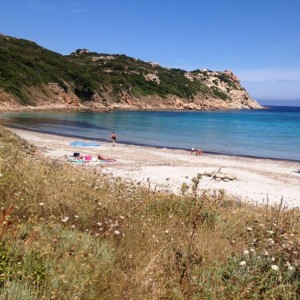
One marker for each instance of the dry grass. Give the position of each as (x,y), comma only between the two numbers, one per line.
(69,234)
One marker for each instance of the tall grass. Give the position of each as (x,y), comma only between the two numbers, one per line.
(72,234)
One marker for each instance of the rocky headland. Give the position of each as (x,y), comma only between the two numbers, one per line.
(34,78)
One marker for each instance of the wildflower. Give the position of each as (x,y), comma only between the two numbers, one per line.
(249,229)
(41,204)
(99,224)
(73,226)
(270,232)
(252,250)
(274,267)
(167,231)
(117,232)
(65,219)
(246,252)
(290,268)
(243,263)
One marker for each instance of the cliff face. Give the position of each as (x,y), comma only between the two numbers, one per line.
(225,87)
(32,76)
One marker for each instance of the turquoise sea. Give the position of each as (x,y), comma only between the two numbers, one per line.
(269,133)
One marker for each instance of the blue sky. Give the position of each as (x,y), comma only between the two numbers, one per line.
(259,40)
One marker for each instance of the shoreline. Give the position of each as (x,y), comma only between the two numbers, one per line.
(81,107)
(147,145)
(258,180)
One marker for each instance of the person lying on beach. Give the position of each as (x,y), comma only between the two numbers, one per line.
(107,159)
(100,157)
(197,151)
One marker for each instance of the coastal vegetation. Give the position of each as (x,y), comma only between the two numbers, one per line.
(33,75)
(67,233)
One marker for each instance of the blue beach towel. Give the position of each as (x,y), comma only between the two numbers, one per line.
(84,144)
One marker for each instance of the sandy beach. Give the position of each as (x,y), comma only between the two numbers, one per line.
(247,179)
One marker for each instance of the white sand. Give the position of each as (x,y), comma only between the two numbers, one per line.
(258,180)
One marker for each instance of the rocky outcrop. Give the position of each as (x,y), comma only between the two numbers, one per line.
(225,86)
(8,101)
(153,78)
(81,51)
(61,96)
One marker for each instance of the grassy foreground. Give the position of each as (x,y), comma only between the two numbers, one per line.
(73,234)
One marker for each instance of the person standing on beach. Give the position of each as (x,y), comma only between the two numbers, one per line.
(114,138)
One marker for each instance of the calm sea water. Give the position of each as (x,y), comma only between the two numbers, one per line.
(271,133)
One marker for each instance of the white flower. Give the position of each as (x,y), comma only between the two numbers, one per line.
(65,219)
(41,204)
(274,267)
(243,263)
(249,229)
(246,252)
(252,250)
(289,266)
(117,232)
(167,231)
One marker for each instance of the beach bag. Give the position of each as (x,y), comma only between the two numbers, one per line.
(76,154)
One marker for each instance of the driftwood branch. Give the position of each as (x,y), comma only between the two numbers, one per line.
(214,173)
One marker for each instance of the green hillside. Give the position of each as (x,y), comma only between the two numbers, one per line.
(26,65)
